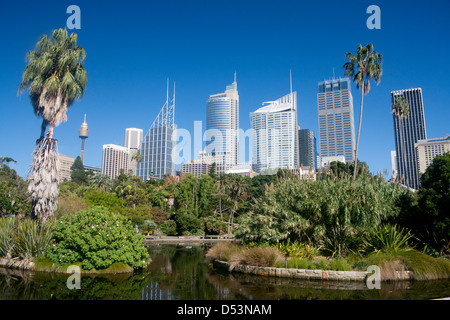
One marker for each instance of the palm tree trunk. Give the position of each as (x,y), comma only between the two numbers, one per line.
(355,170)
(50,129)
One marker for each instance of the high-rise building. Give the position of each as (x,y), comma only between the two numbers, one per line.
(114,159)
(158,147)
(429,149)
(133,138)
(133,141)
(336,121)
(197,167)
(307,148)
(275,134)
(65,165)
(407,132)
(222,127)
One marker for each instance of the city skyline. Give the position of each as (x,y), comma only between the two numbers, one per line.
(129,95)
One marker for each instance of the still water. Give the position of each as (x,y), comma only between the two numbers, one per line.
(182,273)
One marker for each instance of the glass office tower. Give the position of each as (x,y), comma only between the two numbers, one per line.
(159,145)
(336,121)
(407,132)
(222,128)
(307,149)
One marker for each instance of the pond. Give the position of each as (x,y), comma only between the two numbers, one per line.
(183,273)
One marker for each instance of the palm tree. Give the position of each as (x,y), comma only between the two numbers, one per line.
(400,109)
(55,77)
(363,67)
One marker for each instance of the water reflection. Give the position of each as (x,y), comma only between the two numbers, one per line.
(181,273)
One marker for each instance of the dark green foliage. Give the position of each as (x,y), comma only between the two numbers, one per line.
(168,228)
(77,174)
(97,238)
(187,223)
(96,197)
(432,219)
(333,213)
(13,191)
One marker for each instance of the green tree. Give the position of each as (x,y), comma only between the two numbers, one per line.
(433,220)
(55,77)
(77,173)
(363,67)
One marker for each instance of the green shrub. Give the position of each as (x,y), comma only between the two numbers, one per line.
(387,238)
(32,238)
(6,235)
(96,197)
(97,238)
(300,263)
(340,264)
(169,228)
(187,222)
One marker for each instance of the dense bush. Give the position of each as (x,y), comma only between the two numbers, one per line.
(6,235)
(169,228)
(96,197)
(187,223)
(97,238)
(432,221)
(333,213)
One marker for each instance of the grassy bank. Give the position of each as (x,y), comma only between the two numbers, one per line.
(423,267)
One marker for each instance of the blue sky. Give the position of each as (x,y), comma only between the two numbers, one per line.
(133,46)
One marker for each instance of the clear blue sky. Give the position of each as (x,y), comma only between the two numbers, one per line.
(133,46)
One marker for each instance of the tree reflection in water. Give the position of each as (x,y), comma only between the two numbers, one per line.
(183,273)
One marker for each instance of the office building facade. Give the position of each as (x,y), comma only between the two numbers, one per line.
(222,127)
(336,119)
(158,148)
(114,160)
(65,165)
(275,135)
(429,149)
(133,141)
(407,132)
(307,148)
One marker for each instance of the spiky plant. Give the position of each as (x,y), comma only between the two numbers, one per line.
(55,77)
(363,67)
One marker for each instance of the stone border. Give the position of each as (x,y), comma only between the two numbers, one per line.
(304,273)
(27,265)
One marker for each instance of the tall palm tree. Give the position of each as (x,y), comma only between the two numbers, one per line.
(400,109)
(363,67)
(55,77)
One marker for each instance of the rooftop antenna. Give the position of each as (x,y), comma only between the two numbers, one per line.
(290,79)
(333,73)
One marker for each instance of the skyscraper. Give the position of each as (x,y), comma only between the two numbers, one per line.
(133,141)
(133,138)
(407,132)
(222,127)
(275,136)
(336,121)
(307,148)
(158,146)
(114,159)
